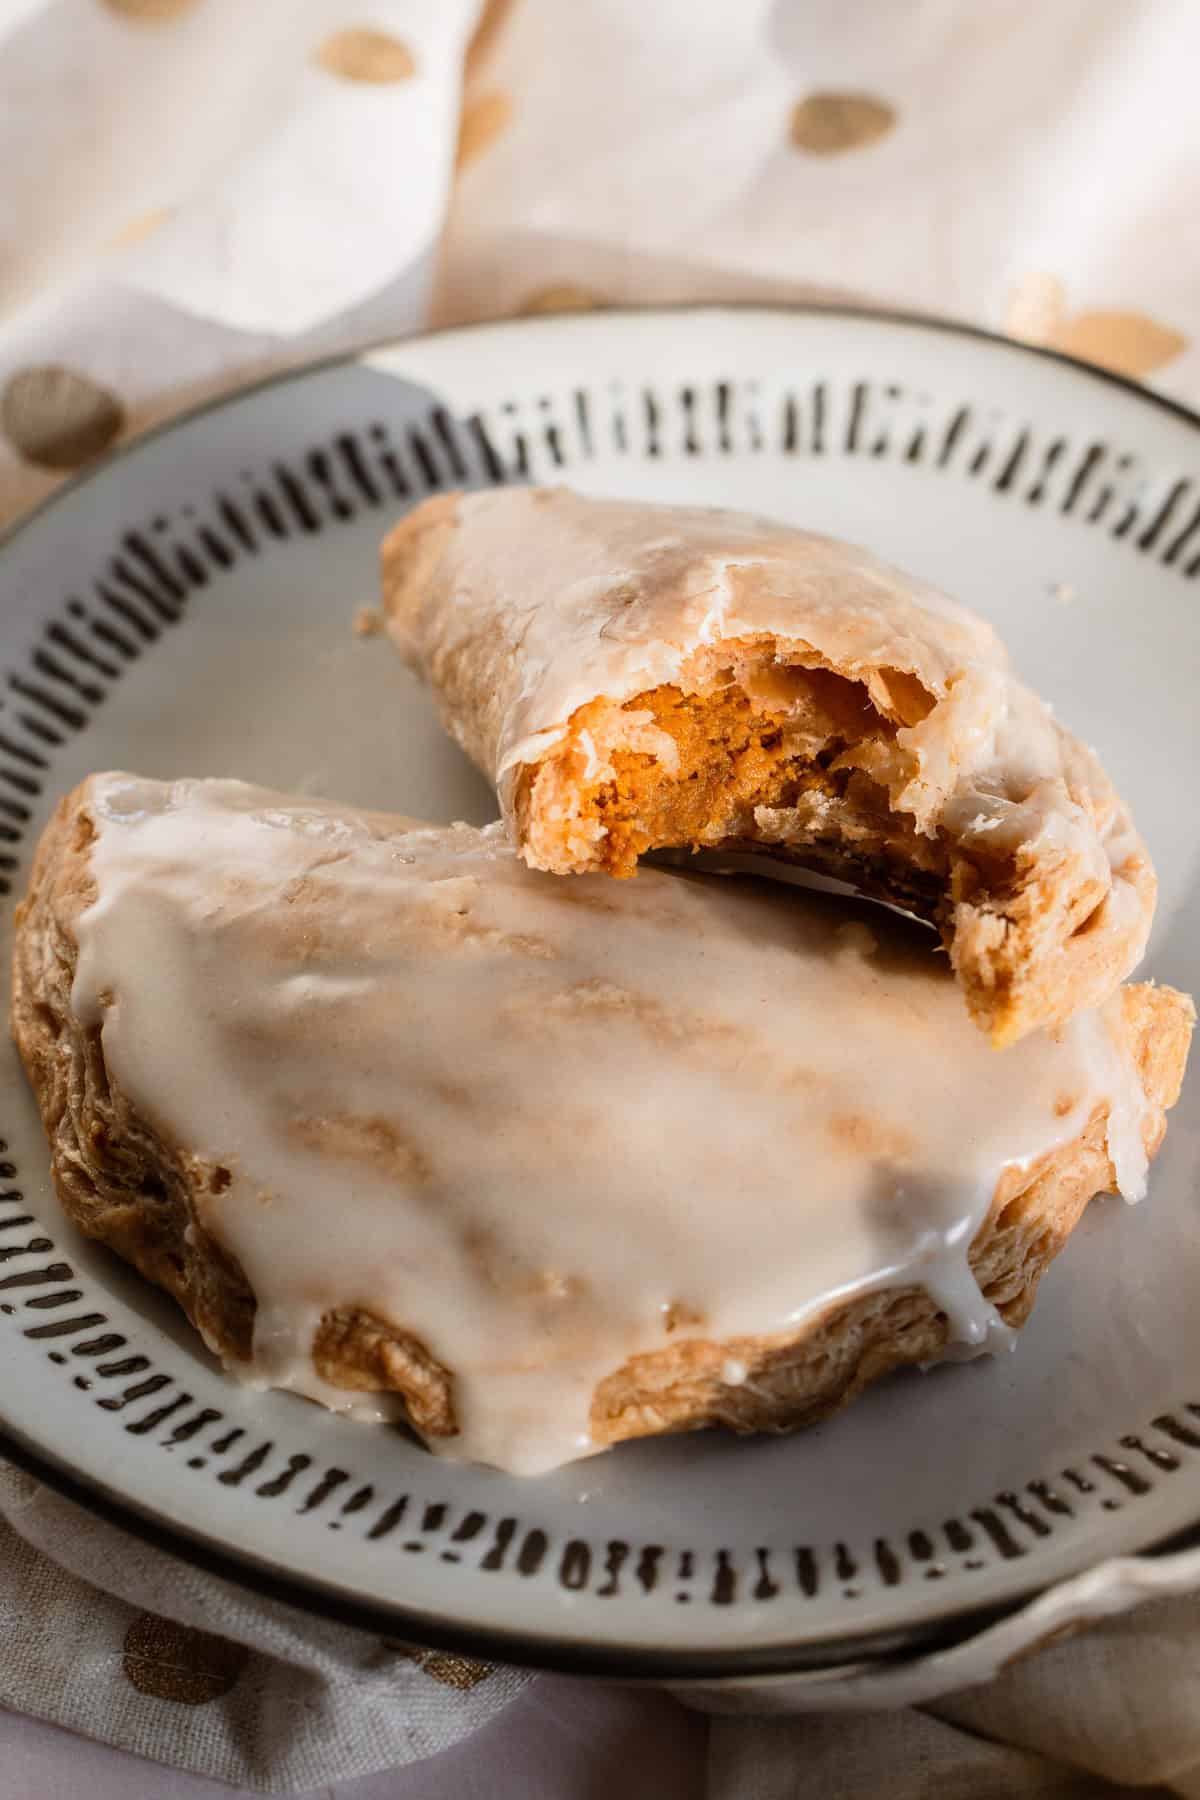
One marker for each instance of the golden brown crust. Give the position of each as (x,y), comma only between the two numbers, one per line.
(120,1182)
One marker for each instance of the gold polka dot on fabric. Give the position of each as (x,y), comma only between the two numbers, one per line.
(150,12)
(829,124)
(565,297)
(57,419)
(483,120)
(362,54)
(139,229)
(1037,307)
(172,1662)
(492,20)
(1129,343)
(460,1672)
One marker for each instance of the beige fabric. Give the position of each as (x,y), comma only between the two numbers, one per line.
(114,1639)
(1115,1711)
(1123,1701)
(1030,168)
(905,1756)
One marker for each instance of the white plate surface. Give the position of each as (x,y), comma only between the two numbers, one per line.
(187,609)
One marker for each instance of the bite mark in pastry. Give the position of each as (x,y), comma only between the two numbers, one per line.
(634,677)
(556,1163)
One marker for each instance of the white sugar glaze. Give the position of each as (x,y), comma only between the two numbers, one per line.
(523,1117)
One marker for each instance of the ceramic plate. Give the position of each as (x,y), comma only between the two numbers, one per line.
(187,609)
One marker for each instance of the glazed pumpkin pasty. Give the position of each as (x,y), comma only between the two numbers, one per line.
(635,677)
(553,1163)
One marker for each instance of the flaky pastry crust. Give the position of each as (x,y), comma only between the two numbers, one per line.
(121,1183)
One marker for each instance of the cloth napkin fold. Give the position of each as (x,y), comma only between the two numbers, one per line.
(262,166)
(1111,1711)
(120,1641)
(211,190)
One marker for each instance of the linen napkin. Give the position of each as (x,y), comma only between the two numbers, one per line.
(209,191)
(1109,1713)
(121,1642)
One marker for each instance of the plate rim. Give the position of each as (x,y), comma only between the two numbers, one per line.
(897,1646)
(377,346)
(531,1648)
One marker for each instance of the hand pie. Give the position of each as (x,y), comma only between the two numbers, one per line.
(555,1163)
(634,677)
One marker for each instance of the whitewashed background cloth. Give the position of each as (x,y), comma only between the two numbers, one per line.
(199,191)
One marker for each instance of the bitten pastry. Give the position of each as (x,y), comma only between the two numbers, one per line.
(557,1163)
(635,677)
